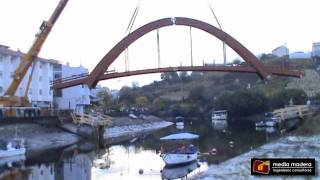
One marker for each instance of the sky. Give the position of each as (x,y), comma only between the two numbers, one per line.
(87,30)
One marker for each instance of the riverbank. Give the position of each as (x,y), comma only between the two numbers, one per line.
(287,147)
(38,138)
(125,128)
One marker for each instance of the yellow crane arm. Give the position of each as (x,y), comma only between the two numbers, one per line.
(34,50)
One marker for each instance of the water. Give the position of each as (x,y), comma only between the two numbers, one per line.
(125,160)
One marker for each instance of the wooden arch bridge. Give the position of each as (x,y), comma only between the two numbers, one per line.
(100,72)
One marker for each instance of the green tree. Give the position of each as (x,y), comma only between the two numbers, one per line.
(184,77)
(283,97)
(170,77)
(105,101)
(142,101)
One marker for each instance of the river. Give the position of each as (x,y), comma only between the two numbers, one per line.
(125,160)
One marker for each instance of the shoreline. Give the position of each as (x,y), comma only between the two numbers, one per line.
(123,133)
(239,167)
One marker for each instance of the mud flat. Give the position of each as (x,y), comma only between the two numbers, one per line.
(126,128)
(287,147)
(38,138)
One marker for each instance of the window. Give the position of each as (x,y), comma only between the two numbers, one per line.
(30,91)
(41,65)
(40,78)
(1,74)
(40,91)
(1,89)
(20,92)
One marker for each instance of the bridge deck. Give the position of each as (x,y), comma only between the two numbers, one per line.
(78,80)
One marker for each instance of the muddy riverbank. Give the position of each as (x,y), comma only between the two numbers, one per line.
(41,138)
(38,138)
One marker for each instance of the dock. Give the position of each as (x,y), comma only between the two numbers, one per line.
(96,121)
(293,112)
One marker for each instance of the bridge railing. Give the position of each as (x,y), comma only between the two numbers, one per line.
(69,78)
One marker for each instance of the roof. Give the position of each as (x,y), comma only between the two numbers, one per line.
(5,50)
(180,136)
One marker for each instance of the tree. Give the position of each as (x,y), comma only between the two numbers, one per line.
(127,96)
(283,97)
(142,101)
(170,77)
(105,99)
(242,102)
(184,77)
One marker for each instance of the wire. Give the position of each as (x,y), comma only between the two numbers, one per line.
(223,43)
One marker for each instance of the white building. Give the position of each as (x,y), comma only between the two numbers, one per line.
(300,55)
(76,97)
(39,93)
(45,71)
(280,51)
(316,49)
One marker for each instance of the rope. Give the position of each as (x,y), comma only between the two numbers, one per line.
(158,49)
(223,43)
(128,30)
(191,54)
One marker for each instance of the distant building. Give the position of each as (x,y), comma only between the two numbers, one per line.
(300,55)
(39,93)
(77,97)
(280,51)
(316,50)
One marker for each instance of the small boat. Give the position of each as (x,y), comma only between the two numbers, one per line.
(182,154)
(219,115)
(178,171)
(13,148)
(260,124)
(271,123)
(180,121)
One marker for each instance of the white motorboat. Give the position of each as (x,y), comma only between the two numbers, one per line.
(13,148)
(178,171)
(180,157)
(219,115)
(180,121)
(183,154)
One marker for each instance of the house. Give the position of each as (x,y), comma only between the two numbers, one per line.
(280,51)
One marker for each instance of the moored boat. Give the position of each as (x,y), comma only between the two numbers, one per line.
(183,154)
(13,148)
(219,115)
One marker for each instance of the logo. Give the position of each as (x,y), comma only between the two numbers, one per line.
(262,167)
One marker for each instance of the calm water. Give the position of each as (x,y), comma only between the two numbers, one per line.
(125,160)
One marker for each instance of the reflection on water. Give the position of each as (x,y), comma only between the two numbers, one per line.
(78,167)
(126,160)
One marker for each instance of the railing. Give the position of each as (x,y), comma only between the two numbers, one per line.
(70,78)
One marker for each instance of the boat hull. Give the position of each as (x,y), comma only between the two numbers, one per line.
(9,153)
(179,159)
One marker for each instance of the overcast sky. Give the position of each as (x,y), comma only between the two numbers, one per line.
(87,30)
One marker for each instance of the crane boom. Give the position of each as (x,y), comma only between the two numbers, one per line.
(31,55)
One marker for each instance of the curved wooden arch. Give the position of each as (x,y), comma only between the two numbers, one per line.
(111,56)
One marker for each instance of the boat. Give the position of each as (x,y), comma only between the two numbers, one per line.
(178,171)
(270,121)
(183,154)
(219,115)
(14,147)
(180,121)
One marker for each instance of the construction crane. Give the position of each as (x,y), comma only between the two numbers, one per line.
(9,99)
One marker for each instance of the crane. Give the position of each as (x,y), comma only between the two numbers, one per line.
(9,98)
